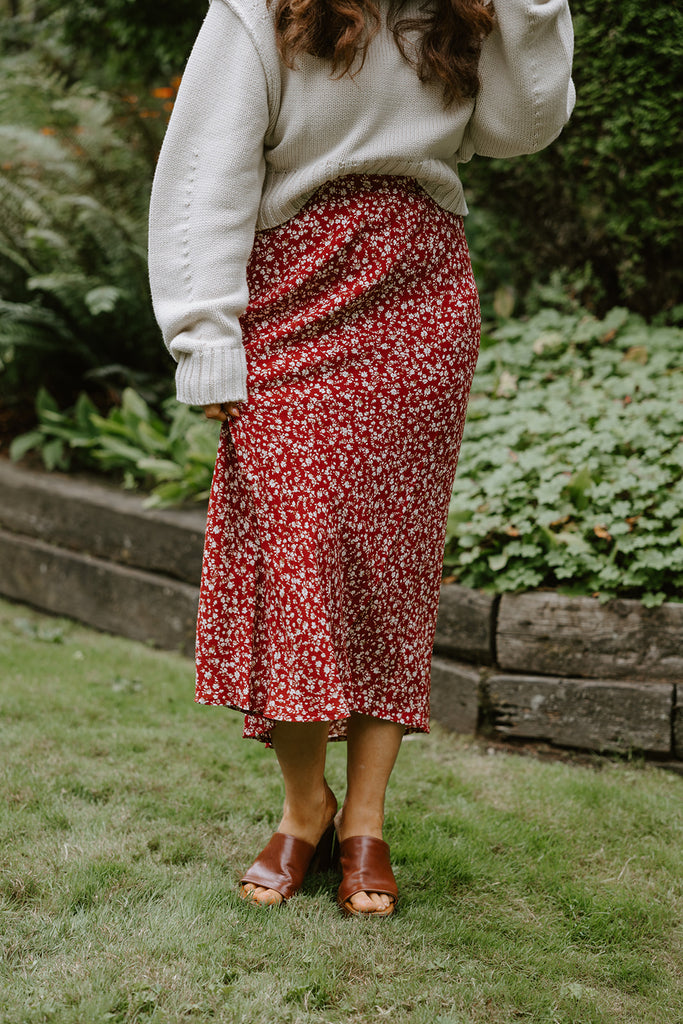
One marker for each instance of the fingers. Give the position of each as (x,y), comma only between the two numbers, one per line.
(232,409)
(222,412)
(214,412)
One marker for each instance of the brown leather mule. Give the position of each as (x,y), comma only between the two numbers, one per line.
(366,867)
(285,861)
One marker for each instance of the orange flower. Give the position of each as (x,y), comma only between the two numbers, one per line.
(163,93)
(48,131)
(168,106)
(150,113)
(175,82)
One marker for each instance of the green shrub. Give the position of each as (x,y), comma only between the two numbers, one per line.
(135,40)
(111,44)
(605,201)
(75,175)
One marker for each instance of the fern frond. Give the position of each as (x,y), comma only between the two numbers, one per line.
(73,209)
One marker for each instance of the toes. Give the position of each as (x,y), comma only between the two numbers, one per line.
(270,898)
(257,894)
(381,900)
(361,901)
(370,902)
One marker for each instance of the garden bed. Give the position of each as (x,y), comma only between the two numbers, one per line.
(539,665)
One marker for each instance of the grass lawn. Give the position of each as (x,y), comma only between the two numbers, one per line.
(531,891)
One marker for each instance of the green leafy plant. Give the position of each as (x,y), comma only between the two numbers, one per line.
(172,454)
(571,473)
(135,43)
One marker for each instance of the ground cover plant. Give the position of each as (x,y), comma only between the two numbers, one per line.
(172,452)
(571,472)
(541,892)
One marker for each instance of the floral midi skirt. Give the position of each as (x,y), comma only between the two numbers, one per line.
(327,514)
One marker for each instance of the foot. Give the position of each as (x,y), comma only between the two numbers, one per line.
(348,823)
(309,825)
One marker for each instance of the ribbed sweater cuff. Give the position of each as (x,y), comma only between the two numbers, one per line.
(212,375)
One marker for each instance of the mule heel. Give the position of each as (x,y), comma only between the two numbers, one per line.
(325,852)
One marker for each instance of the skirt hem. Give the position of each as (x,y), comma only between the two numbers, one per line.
(264,736)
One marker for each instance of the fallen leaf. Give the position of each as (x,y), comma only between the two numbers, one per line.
(560,521)
(636,354)
(507,385)
(504,301)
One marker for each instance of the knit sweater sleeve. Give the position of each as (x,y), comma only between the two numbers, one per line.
(526,94)
(204,205)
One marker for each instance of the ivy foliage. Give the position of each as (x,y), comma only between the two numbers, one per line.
(605,201)
(571,471)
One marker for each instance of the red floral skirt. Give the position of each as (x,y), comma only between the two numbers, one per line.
(327,514)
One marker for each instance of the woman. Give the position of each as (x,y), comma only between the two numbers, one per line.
(311,278)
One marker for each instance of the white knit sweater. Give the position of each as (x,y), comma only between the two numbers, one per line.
(250,140)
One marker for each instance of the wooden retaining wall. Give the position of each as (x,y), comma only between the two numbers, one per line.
(539,666)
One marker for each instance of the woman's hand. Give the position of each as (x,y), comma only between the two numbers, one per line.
(227,410)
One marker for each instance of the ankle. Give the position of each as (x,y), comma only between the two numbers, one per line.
(308,819)
(361,821)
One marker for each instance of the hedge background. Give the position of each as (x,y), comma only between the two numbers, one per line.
(605,202)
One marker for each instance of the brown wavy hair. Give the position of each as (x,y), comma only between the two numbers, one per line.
(447,51)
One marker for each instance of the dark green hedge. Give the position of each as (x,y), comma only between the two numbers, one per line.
(114,44)
(606,200)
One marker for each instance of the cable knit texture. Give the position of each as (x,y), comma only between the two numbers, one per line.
(251,140)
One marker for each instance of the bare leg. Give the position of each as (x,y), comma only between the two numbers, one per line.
(373,746)
(309,802)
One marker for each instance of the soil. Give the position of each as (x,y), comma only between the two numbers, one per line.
(588,759)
